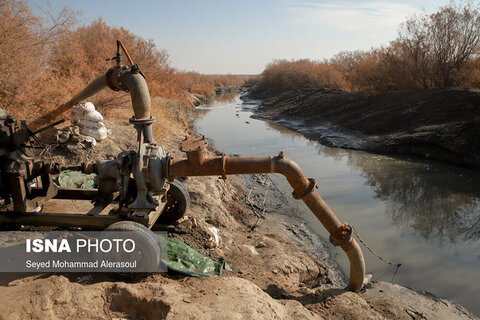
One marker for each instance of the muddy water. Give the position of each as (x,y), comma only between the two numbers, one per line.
(423,215)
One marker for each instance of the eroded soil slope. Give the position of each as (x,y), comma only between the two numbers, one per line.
(441,125)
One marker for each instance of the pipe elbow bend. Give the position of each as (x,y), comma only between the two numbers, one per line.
(137,86)
(292,171)
(129,79)
(286,166)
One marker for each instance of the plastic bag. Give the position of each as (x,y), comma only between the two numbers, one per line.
(184,259)
(98,133)
(87,123)
(88,107)
(85,111)
(93,116)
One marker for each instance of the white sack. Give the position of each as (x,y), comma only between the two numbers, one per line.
(85,111)
(98,133)
(87,123)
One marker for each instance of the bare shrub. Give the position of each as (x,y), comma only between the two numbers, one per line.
(439,50)
(284,74)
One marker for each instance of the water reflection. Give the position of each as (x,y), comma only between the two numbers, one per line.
(439,202)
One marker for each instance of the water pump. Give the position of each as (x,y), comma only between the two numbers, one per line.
(143,198)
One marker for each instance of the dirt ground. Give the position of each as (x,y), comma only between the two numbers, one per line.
(442,125)
(272,279)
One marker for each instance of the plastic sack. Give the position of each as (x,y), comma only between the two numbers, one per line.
(85,111)
(184,259)
(93,116)
(88,107)
(83,108)
(87,123)
(98,133)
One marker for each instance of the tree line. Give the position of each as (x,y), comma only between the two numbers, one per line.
(47,57)
(438,50)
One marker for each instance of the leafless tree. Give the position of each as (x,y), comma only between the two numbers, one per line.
(437,46)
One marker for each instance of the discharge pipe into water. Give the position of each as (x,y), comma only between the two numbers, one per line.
(340,234)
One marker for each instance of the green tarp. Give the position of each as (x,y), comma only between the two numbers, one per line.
(74,179)
(186,260)
(180,257)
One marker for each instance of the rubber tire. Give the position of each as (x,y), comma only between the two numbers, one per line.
(145,242)
(178,201)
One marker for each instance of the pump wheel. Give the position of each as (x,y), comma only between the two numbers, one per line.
(147,251)
(178,201)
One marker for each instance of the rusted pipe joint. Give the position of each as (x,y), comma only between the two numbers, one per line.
(342,237)
(111,77)
(224,170)
(309,189)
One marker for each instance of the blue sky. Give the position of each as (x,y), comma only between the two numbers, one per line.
(241,37)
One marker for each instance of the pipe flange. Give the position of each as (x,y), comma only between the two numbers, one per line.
(112,84)
(112,76)
(346,236)
(193,144)
(135,121)
(224,170)
(309,189)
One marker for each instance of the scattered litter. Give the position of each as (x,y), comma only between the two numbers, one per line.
(184,259)
(182,219)
(73,140)
(367,279)
(251,249)
(216,237)
(37,209)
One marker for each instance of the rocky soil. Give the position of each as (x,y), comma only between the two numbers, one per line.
(442,125)
(274,276)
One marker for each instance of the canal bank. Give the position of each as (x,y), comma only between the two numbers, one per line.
(419,214)
(437,124)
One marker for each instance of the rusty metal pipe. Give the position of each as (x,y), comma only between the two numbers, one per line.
(197,165)
(125,52)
